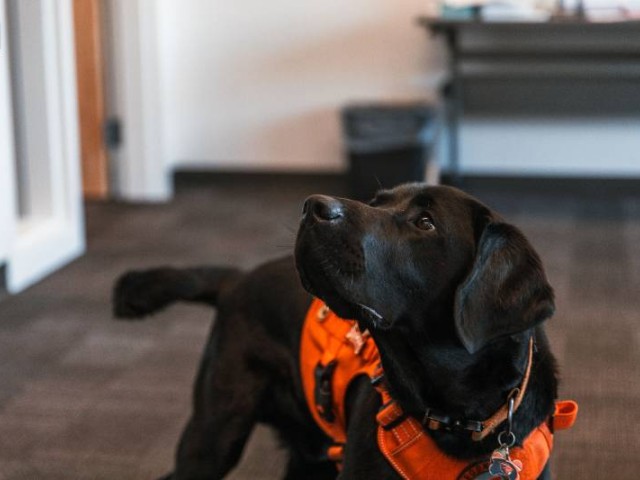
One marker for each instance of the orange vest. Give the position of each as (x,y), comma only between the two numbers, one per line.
(333,352)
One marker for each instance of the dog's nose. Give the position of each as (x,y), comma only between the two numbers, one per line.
(323,208)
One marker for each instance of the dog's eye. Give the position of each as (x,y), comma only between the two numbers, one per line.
(425,223)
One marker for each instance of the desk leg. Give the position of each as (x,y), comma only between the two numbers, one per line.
(454,106)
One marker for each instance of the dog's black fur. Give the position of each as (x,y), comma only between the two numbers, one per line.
(449,291)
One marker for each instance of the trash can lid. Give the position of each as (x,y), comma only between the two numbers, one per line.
(386,123)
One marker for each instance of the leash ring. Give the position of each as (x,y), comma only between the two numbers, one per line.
(510,440)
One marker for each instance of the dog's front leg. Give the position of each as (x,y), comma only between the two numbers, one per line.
(362,457)
(227,399)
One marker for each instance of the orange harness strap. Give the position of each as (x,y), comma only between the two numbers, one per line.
(328,340)
(415,455)
(565,414)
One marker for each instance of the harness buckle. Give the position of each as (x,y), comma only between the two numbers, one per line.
(435,421)
(377,380)
(323,391)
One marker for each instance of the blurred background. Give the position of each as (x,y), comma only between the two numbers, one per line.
(137,133)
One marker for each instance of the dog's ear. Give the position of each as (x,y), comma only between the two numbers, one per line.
(506,291)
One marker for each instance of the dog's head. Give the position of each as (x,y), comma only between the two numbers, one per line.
(427,258)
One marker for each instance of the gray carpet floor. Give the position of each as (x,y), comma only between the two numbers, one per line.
(85,397)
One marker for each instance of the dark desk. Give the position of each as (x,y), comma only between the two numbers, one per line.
(577,50)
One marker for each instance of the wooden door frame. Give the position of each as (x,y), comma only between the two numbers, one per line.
(88,20)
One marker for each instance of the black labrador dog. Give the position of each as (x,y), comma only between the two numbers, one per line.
(450,292)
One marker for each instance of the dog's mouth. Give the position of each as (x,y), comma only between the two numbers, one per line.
(323,281)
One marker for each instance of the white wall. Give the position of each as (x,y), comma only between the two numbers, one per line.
(254,84)
(258,85)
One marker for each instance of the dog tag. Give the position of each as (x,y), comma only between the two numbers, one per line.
(502,466)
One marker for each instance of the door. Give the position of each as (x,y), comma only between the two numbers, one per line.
(42,202)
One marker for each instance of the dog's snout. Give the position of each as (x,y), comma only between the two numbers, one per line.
(323,208)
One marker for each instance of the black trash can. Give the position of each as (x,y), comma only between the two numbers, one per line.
(387,144)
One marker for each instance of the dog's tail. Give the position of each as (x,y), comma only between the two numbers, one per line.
(139,293)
